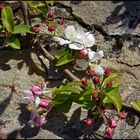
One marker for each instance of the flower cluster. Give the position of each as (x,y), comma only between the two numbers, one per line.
(82,42)
(96,91)
(52,22)
(38,103)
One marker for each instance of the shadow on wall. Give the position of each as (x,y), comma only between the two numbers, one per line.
(127,14)
(23,57)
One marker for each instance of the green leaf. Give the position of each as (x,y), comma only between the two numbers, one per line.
(20,29)
(65,59)
(13,42)
(60,98)
(90,83)
(108,79)
(88,92)
(65,89)
(71,89)
(35,4)
(77,83)
(51,2)
(1,29)
(136,105)
(43,9)
(88,104)
(115,97)
(65,107)
(60,53)
(7,18)
(62,102)
(106,100)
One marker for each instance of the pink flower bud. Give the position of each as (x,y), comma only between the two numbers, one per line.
(51,28)
(84,81)
(89,122)
(60,21)
(36,29)
(50,15)
(89,72)
(36,90)
(109,132)
(112,123)
(39,121)
(43,104)
(83,53)
(122,115)
(109,84)
(96,80)
(95,96)
(1,6)
(107,72)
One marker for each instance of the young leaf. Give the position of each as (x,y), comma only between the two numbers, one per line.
(21,28)
(13,42)
(65,59)
(71,89)
(77,83)
(88,92)
(7,18)
(136,105)
(108,79)
(65,89)
(43,9)
(88,104)
(115,97)
(64,107)
(60,54)
(60,98)
(35,4)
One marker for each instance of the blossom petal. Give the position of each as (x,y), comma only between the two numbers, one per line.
(91,54)
(80,35)
(61,41)
(95,56)
(70,32)
(76,46)
(37,101)
(89,40)
(28,98)
(98,70)
(82,63)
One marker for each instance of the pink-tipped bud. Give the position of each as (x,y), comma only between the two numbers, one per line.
(107,72)
(50,15)
(60,21)
(109,132)
(51,28)
(43,104)
(96,80)
(36,90)
(39,121)
(109,84)
(95,96)
(36,29)
(89,122)
(90,72)
(122,115)
(84,81)
(1,6)
(112,123)
(83,53)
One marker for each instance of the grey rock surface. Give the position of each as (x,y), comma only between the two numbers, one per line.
(114,17)
(122,55)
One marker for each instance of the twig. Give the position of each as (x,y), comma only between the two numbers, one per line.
(71,75)
(51,58)
(24,7)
